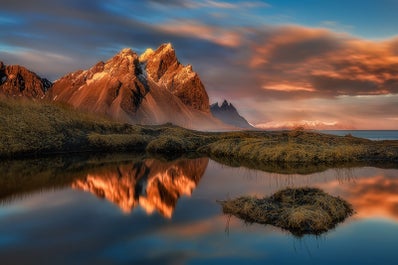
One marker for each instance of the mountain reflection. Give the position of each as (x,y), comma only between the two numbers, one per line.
(130,180)
(152,184)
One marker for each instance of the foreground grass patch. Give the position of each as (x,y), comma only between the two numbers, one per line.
(30,128)
(300,211)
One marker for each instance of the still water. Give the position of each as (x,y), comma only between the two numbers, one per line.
(130,210)
(375,135)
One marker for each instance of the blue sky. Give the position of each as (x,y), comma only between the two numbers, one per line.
(277,61)
(367,18)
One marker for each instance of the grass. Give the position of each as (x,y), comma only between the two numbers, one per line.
(28,128)
(300,211)
(298,147)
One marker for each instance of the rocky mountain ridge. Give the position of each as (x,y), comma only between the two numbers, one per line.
(151,88)
(228,114)
(16,80)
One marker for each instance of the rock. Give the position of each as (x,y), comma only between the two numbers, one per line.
(16,80)
(164,68)
(112,88)
(153,88)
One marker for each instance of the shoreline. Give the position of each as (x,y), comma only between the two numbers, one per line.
(30,129)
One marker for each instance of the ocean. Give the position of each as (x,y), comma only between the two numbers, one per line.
(376,135)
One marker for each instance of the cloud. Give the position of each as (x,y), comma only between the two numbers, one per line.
(323,63)
(263,69)
(349,112)
(211,4)
(174,3)
(336,26)
(218,35)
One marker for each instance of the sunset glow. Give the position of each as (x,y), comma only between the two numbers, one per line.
(260,55)
(373,197)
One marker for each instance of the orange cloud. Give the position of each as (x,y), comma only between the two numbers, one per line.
(280,44)
(330,63)
(289,87)
(218,35)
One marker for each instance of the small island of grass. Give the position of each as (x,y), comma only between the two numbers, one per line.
(300,211)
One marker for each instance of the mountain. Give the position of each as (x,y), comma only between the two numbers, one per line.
(306,124)
(16,80)
(151,184)
(152,88)
(228,114)
(163,67)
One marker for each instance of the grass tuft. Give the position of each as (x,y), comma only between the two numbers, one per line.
(300,211)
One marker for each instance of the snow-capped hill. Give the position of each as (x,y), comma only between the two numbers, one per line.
(306,124)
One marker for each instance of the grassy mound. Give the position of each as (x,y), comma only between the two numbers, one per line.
(300,211)
(28,127)
(297,147)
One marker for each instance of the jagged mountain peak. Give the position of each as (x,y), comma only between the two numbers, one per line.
(16,80)
(144,57)
(225,106)
(164,54)
(152,88)
(114,88)
(228,114)
(126,61)
(127,52)
(160,61)
(163,67)
(165,48)
(164,51)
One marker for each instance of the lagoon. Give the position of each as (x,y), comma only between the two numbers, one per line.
(132,209)
(374,135)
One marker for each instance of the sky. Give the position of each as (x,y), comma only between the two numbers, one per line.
(330,62)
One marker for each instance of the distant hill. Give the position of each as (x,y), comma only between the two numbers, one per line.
(305,124)
(228,114)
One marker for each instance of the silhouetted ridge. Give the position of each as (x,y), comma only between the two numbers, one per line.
(228,114)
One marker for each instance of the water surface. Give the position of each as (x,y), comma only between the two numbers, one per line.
(130,210)
(375,135)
